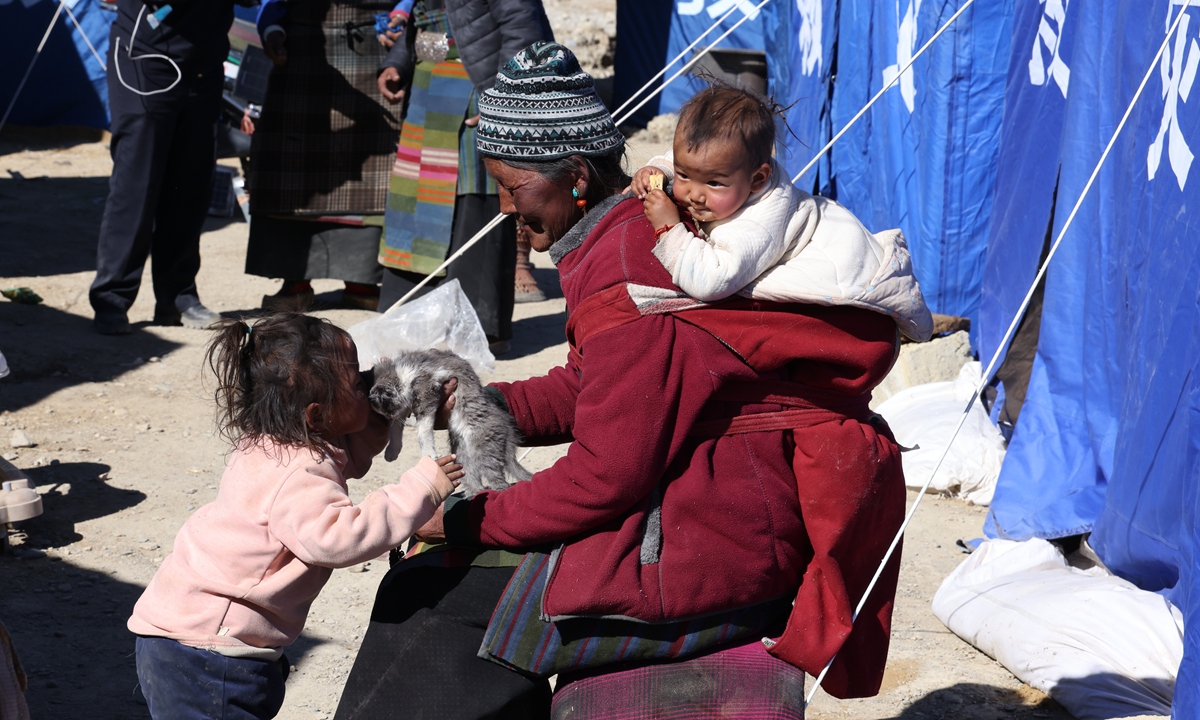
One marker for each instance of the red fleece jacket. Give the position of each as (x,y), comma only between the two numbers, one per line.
(745,518)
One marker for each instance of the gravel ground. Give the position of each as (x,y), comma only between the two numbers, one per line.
(125,450)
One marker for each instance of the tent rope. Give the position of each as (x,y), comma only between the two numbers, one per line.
(1012,328)
(882,90)
(86,39)
(676,59)
(28,70)
(499,218)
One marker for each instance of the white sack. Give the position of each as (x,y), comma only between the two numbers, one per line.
(442,319)
(923,418)
(1098,645)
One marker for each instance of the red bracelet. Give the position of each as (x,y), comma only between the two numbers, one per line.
(663,230)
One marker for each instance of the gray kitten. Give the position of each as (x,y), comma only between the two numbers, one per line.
(482,434)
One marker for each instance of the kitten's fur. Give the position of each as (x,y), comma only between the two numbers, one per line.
(482,434)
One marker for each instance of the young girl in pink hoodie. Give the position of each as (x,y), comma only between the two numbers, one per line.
(245,568)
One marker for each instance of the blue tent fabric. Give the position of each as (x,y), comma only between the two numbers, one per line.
(67,85)
(653,33)
(802,35)
(923,159)
(1109,436)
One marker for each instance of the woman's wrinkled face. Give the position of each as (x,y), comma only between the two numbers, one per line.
(545,211)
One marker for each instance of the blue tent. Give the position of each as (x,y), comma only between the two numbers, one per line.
(978,160)
(67,85)
(1106,441)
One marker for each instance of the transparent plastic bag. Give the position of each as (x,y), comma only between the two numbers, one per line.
(442,319)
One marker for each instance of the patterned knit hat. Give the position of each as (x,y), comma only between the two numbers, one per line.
(544,107)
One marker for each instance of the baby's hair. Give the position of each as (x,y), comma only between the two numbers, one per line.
(722,111)
(268,374)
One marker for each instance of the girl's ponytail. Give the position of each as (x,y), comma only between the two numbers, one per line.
(230,354)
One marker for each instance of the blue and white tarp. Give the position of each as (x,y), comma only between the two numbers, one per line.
(652,33)
(67,85)
(800,38)
(923,158)
(1109,436)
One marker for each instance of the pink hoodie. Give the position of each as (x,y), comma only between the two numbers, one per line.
(246,567)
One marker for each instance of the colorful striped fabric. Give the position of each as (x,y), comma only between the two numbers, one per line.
(420,205)
(741,682)
(520,637)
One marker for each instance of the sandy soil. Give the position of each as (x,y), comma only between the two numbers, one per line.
(125,450)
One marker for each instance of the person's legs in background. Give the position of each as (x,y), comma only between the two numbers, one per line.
(527,289)
(142,130)
(486,271)
(182,208)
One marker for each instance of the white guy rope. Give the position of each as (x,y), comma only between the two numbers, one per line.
(29,69)
(676,59)
(86,39)
(1012,327)
(525,454)
(693,61)
(882,90)
(499,218)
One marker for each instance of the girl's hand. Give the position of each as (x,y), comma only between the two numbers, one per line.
(660,209)
(450,468)
(640,184)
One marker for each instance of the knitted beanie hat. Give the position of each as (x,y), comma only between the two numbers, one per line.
(544,107)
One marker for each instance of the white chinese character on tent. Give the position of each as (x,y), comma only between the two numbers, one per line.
(1056,12)
(1178,75)
(811,52)
(721,7)
(718,8)
(906,45)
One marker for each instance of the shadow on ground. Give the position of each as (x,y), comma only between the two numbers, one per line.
(48,349)
(533,334)
(68,627)
(972,701)
(73,494)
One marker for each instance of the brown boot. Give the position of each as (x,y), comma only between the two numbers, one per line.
(526,289)
(294,296)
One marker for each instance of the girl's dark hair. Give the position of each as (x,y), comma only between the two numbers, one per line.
(606,174)
(722,111)
(268,373)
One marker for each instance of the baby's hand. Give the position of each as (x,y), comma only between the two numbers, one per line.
(640,185)
(660,210)
(450,468)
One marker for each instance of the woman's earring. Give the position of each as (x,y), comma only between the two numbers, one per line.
(578,200)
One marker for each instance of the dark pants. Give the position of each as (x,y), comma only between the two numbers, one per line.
(163,150)
(487,272)
(187,683)
(418,659)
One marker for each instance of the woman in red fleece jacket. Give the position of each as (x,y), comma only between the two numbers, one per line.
(723,464)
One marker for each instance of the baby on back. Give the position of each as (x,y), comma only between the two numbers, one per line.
(758,236)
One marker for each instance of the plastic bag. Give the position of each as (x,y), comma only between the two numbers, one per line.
(1097,644)
(923,417)
(3,366)
(442,319)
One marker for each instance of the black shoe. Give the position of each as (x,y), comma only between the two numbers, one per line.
(116,323)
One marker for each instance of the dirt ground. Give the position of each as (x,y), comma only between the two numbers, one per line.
(125,451)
